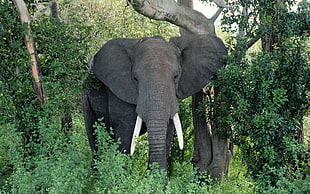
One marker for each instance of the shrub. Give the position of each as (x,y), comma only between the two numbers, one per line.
(266,96)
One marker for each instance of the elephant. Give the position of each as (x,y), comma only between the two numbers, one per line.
(141,82)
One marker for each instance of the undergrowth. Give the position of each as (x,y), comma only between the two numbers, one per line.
(69,169)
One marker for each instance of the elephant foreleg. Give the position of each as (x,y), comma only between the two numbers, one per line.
(123,118)
(95,106)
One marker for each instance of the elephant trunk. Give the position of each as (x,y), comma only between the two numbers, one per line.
(157,132)
(156,106)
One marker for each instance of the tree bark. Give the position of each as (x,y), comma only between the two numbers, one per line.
(186,3)
(31,47)
(54,10)
(182,16)
(271,38)
(211,152)
(202,135)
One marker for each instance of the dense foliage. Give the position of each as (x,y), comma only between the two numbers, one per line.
(271,20)
(266,105)
(31,133)
(266,97)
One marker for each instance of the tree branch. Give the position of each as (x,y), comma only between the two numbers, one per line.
(168,10)
(216,15)
(31,47)
(221,4)
(182,16)
(252,41)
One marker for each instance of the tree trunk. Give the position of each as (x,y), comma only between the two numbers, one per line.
(186,3)
(211,153)
(31,47)
(54,10)
(202,135)
(66,122)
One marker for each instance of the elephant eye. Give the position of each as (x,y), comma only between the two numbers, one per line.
(135,78)
(175,77)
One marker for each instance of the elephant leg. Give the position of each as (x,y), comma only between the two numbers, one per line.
(123,118)
(95,106)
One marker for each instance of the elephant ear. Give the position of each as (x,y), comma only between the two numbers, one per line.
(201,56)
(112,65)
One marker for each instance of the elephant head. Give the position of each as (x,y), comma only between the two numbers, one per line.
(153,74)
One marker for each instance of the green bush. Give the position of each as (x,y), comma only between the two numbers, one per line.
(17,97)
(57,164)
(118,173)
(266,96)
(32,137)
(300,184)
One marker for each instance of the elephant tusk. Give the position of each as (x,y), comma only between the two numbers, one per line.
(178,128)
(136,133)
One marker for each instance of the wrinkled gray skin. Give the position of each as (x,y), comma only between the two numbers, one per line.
(146,77)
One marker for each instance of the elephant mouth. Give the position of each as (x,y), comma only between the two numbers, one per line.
(138,125)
